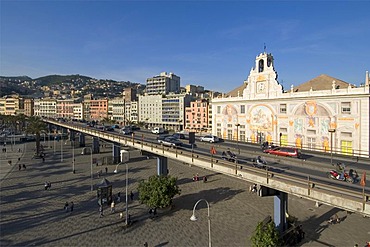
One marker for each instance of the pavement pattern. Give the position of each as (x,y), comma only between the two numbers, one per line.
(33,216)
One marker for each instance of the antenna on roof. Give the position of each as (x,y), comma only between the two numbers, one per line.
(264,47)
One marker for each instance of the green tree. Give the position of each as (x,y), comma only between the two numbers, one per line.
(36,126)
(158,191)
(266,235)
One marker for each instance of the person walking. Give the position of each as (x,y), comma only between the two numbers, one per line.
(106,170)
(119,197)
(19,167)
(66,207)
(112,207)
(72,206)
(101,211)
(132,196)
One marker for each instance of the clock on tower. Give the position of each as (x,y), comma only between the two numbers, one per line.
(261,87)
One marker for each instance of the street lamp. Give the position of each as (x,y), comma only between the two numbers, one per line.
(237,136)
(91,165)
(194,218)
(332,131)
(116,171)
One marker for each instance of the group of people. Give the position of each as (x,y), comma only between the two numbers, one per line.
(22,166)
(68,207)
(197,178)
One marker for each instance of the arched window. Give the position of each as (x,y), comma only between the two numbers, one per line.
(260,65)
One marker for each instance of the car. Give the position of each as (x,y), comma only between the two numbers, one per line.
(126,131)
(160,138)
(228,155)
(108,128)
(158,130)
(171,141)
(179,136)
(209,138)
(134,127)
(285,151)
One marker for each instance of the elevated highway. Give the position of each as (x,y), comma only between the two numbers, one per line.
(311,187)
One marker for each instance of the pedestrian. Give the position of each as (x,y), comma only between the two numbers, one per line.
(19,150)
(43,159)
(204,179)
(46,185)
(112,207)
(106,170)
(72,205)
(19,159)
(24,166)
(19,167)
(66,207)
(101,211)
(132,196)
(119,197)
(49,184)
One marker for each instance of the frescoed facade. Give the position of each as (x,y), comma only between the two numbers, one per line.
(305,119)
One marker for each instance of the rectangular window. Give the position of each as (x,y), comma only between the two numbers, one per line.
(218,125)
(229,134)
(229,125)
(311,143)
(218,132)
(242,109)
(218,109)
(242,136)
(346,107)
(283,108)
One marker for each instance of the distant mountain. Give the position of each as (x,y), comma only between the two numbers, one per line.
(63,84)
(55,79)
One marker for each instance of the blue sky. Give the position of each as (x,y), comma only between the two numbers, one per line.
(208,43)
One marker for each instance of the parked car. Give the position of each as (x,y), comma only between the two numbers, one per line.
(209,138)
(171,141)
(228,155)
(179,136)
(158,130)
(285,151)
(108,128)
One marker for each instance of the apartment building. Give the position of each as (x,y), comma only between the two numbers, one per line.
(307,116)
(29,107)
(11,105)
(45,107)
(164,111)
(196,116)
(70,109)
(98,109)
(134,112)
(163,84)
(117,110)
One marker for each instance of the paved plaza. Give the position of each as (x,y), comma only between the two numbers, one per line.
(33,216)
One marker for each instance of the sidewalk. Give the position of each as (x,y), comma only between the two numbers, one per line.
(31,215)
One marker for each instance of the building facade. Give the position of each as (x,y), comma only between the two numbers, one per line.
(196,116)
(45,107)
(163,84)
(305,119)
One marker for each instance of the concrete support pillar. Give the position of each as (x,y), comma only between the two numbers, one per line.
(280,207)
(162,168)
(116,153)
(72,135)
(81,140)
(96,145)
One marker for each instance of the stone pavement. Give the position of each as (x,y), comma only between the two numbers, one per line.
(32,216)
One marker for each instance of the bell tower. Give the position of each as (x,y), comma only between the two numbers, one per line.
(262,80)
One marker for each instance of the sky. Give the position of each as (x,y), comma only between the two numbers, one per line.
(209,43)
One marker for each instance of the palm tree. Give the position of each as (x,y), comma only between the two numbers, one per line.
(36,126)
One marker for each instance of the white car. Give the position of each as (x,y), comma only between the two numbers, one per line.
(157,130)
(126,131)
(209,138)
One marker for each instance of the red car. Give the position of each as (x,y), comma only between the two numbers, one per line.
(285,151)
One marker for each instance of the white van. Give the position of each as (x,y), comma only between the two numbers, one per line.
(157,130)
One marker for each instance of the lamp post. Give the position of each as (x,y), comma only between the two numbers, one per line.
(237,136)
(332,131)
(91,167)
(194,218)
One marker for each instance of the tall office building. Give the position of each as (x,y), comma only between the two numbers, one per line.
(163,84)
